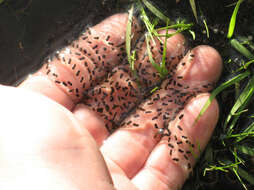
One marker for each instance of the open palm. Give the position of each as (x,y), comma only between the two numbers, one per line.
(104,124)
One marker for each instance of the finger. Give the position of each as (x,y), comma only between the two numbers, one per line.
(130,146)
(171,161)
(123,90)
(89,120)
(78,67)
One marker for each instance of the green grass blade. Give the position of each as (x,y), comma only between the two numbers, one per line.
(180,28)
(240,112)
(156,11)
(194,9)
(224,166)
(163,62)
(130,55)
(240,48)
(250,44)
(240,104)
(193,34)
(206,27)
(246,175)
(246,133)
(128,35)
(245,150)
(234,167)
(179,25)
(236,170)
(250,128)
(219,89)
(132,63)
(148,24)
(246,41)
(242,135)
(244,96)
(150,56)
(245,66)
(233,19)
(154,89)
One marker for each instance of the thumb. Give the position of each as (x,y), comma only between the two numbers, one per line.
(39,139)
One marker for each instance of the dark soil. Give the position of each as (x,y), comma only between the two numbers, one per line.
(32,29)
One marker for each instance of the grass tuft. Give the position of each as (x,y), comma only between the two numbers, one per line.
(152,32)
(219,89)
(239,106)
(241,49)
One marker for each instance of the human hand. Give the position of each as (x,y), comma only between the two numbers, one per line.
(48,146)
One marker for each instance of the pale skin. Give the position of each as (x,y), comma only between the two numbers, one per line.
(47,141)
